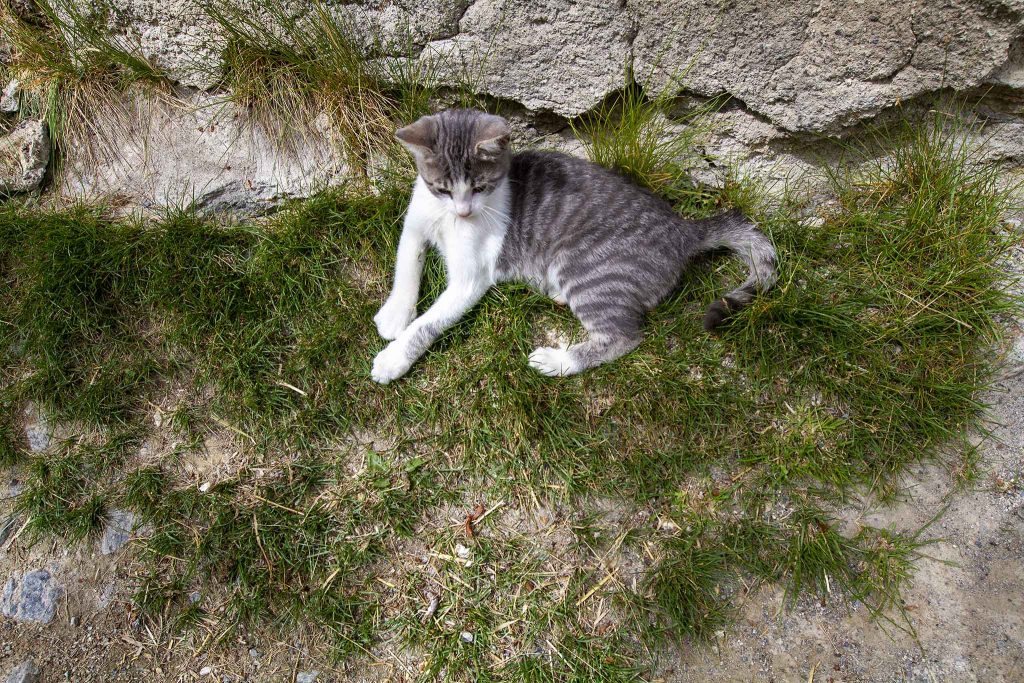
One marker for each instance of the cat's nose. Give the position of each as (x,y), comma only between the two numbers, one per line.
(463,211)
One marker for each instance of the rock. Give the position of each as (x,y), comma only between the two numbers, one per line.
(179,37)
(799,75)
(204,155)
(9,103)
(38,431)
(554,55)
(31,597)
(26,672)
(24,156)
(397,27)
(118,530)
(819,66)
(307,676)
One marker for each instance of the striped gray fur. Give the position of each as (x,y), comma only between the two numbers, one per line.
(583,234)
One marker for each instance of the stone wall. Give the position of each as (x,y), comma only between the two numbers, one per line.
(801,75)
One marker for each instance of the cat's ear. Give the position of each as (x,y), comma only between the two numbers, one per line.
(419,137)
(492,136)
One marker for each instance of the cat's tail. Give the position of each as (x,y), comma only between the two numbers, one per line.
(736,232)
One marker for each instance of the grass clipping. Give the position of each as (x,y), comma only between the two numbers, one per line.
(873,351)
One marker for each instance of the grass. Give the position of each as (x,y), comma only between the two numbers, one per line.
(80,78)
(345,506)
(634,134)
(310,77)
(301,78)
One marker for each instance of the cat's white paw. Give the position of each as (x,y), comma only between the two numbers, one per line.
(392,318)
(390,364)
(552,362)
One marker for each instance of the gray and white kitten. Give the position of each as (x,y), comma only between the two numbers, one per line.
(584,235)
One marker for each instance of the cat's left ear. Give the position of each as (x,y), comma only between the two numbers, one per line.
(492,136)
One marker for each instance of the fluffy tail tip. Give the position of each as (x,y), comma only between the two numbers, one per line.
(716,314)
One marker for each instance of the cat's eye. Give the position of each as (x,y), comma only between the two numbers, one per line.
(479,188)
(441,190)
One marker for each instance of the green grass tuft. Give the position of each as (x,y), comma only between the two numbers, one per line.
(76,74)
(310,76)
(633,134)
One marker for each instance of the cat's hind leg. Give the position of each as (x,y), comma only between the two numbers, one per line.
(613,335)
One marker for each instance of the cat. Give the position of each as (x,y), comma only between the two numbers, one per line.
(584,235)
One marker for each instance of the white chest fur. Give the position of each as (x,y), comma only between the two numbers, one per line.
(470,245)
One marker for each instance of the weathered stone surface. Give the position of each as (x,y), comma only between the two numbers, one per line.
(307,677)
(38,431)
(818,66)
(179,37)
(398,27)
(201,153)
(797,70)
(552,55)
(26,672)
(9,98)
(118,530)
(31,597)
(24,156)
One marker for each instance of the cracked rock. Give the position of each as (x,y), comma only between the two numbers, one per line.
(820,66)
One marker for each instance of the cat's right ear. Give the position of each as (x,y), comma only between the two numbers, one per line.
(419,137)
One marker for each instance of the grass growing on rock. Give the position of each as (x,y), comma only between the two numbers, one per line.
(81,78)
(309,76)
(495,523)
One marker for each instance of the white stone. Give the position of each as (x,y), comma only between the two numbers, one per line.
(9,99)
(24,156)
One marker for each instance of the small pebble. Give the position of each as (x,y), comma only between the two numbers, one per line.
(206,671)
(466,636)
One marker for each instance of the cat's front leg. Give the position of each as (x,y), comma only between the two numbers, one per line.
(398,356)
(400,308)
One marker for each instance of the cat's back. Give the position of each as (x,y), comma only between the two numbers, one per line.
(549,185)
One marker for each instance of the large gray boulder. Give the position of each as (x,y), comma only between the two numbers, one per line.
(24,156)
(202,153)
(810,66)
(553,55)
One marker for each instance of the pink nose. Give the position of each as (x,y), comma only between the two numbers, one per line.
(463,212)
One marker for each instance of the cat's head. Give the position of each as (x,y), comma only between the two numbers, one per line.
(461,154)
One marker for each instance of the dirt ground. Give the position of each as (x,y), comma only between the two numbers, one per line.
(966,603)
